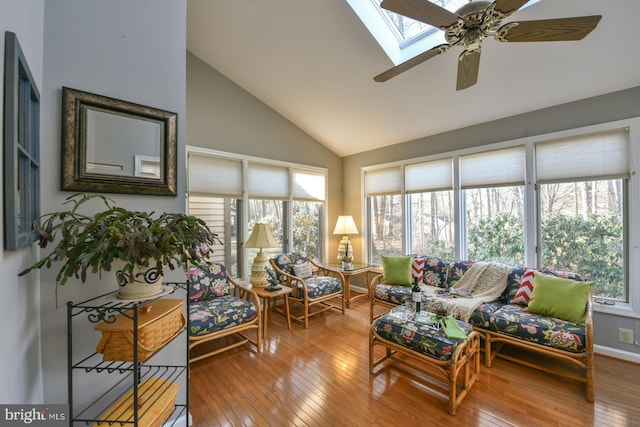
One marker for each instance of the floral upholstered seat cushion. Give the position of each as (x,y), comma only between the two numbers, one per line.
(317,286)
(511,319)
(396,294)
(207,281)
(485,311)
(219,313)
(418,337)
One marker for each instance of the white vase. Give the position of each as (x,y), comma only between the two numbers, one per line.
(145,281)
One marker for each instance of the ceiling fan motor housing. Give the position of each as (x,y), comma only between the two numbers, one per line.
(477,20)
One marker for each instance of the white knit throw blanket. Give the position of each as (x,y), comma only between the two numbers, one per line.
(485,280)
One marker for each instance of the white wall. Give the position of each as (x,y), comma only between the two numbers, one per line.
(133,50)
(19,304)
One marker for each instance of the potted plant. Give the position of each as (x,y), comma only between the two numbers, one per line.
(136,244)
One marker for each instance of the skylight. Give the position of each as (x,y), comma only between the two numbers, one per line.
(400,37)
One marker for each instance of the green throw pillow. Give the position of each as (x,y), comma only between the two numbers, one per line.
(561,298)
(396,270)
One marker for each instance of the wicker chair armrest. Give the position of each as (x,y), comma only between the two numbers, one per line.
(244,292)
(327,271)
(376,280)
(588,323)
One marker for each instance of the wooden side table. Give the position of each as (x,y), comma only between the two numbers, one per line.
(347,273)
(266,296)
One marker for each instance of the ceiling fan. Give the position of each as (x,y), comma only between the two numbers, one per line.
(474,21)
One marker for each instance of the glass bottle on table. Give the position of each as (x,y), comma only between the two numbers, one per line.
(416,295)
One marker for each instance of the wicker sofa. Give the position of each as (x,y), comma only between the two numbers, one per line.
(504,321)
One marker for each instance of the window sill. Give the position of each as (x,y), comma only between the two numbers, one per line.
(618,309)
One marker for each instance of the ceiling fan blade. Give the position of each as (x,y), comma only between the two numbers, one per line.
(400,68)
(562,29)
(468,65)
(507,7)
(423,11)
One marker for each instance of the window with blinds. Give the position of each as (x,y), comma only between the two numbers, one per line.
(232,193)
(574,215)
(600,155)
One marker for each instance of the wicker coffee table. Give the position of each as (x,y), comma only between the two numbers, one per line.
(454,363)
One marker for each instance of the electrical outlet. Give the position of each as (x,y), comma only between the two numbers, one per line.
(625,335)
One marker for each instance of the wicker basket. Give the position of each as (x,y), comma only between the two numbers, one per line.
(158,323)
(156,400)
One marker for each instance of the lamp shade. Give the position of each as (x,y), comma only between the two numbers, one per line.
(345,225)
(261,237)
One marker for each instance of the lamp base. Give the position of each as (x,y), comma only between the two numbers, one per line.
(258,273)
(344,248)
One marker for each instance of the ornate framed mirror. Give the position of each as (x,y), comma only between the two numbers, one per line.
(115,146)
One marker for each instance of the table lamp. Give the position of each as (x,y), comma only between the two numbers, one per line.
(345,226)
(261,237)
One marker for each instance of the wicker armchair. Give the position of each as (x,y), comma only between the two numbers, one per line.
(315,287)
(220,309)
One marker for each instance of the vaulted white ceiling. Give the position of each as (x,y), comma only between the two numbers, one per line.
(313,61)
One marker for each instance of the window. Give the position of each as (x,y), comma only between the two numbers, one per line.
(21,148)
(431,207)
(269,212)
(558,203)
(493,205)
(385,212)
(307,228)
(233,193)
(582,195)
(385,223)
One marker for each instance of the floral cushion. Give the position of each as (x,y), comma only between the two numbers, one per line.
(512,320)
(455,271)
(207,281)
(482,314)
(285,262)
(395,294)
(318,286)
(219,313)
(417,337)
(435,272)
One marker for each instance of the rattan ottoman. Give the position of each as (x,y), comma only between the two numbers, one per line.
(453,363)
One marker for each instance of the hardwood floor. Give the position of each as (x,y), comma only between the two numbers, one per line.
(320,377)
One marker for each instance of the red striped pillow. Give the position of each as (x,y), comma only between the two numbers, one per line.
(526,288)
(417,268)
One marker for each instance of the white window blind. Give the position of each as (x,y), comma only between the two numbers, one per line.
(429,176)
(602,155)
(308,185)
(383,181)
(267,181)
(493,168)
(209,175)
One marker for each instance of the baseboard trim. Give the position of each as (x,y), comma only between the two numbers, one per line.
(618,354)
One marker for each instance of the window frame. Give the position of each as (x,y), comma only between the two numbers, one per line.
(21,145)
(244,261)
